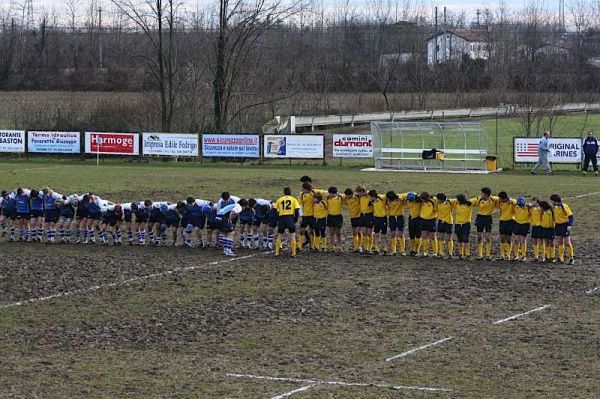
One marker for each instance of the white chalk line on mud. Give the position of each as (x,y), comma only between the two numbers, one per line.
(521,314)
(403,354)
(339,383)
(295,391)
(591,291)
(583,195)
(122,282)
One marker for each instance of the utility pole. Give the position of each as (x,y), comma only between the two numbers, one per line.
(100,38)
(435,48)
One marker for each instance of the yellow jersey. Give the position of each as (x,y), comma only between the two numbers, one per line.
(380,206)
(414,208)
(507,209)
(522,214)
(548,220)
(562,213)
(536,216)
(444,211)
(485,207)
(365,204)
(353,204)
(335,204)
(320,210)
(428,209)
(463,213)
(396,208)
(287,205)
(307,200)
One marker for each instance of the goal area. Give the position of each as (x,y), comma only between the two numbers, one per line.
(429,146)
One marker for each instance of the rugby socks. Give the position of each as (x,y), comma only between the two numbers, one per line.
(3,226)
(561,252)
(468,250)
(12,232)
(571,251)
(151,237)
(256,239)
(480,249)
(278,247)
(536,250)
(425,245)
(130,236)
(503,250)
(394,245)
(187,240)
(102,236)
(293,247)
(440,249)
(517,249)
(270,239)
(451,247)
(33,234)
(402,241)
(91,235)
(488,248)
(434,245)
(301,240)
(227,246)
(355,242)
(524,250)
(142,237)
(51,234)
(119,237)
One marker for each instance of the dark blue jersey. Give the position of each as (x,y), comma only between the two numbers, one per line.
(37,203)
(22,203)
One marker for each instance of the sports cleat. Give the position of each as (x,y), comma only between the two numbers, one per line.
(571,261)
(480,258)
(489,258)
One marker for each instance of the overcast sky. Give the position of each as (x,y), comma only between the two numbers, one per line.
(58,7)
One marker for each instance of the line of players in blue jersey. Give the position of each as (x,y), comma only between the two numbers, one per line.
(80,218)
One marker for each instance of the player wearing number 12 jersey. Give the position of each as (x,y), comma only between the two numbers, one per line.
(288,209)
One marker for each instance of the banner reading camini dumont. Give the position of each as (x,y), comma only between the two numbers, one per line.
(112,143)
(352,146)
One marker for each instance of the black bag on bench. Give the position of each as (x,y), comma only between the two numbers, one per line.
(429,154)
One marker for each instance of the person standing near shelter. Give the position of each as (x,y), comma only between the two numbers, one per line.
(543,154)
(590,151)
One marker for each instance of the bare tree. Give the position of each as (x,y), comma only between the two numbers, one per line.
(240,26)
(156,19)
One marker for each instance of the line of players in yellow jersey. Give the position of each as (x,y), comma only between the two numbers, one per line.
(434,223)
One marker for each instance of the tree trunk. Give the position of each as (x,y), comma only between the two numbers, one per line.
(219,83)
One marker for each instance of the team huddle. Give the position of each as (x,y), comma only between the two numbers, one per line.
(377,222)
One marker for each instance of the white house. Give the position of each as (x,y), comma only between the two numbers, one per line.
(451,45)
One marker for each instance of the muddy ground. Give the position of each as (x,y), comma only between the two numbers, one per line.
(316,317)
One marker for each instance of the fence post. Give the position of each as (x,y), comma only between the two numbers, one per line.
(26,138)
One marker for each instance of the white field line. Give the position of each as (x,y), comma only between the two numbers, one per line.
(403,354)
(290,393)
(122,282)
(584,195)
(47,167)
(341,383)
(591,291)
(521,314)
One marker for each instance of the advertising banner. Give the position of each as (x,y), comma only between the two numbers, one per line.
(171,144)
(231,145)
(12,141)
(562,150)
(53,142)
(293,146)
(112,143)
(352,146)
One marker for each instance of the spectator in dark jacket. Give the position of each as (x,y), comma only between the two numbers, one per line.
(590,150)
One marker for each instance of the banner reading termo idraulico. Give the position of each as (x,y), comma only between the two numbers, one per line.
(53,142)
(352,146)
(12,141)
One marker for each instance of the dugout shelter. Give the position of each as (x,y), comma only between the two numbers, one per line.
(430,146)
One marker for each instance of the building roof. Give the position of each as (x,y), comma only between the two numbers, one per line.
(470,35)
